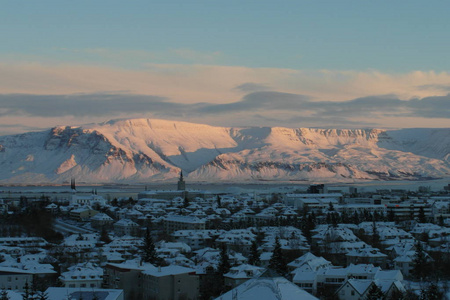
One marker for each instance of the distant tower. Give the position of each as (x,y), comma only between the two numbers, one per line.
(181,183)
(72,185)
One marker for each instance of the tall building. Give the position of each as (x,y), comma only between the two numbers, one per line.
(181,183)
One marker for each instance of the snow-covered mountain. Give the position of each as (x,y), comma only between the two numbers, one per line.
(143,150)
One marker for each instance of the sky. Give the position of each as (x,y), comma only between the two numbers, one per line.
(327,64)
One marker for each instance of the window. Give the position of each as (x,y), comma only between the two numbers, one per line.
(83,285)
(353,293)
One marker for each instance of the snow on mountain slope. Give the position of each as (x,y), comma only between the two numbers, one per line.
(142,150)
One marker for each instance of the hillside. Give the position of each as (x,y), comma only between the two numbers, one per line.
(144,150)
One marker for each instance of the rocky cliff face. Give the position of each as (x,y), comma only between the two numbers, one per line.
(143,150)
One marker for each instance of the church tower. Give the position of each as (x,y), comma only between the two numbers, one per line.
(73,187)
(181,183)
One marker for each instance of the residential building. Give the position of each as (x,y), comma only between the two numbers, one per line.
(126,227)
(85,275)
(175,222)
(170,283)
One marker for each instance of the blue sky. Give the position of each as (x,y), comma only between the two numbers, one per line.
(305,48)
(384,35)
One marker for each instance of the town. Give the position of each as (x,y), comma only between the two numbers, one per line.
(315,243)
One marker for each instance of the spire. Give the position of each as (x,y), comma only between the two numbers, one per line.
(72,184)
(181,183)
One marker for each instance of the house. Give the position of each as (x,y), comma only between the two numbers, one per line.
(409,210)
(354,289)
(175,222)
(85,275)
(367,256)
(334,277)
(90,200)
(101,220)
(196,239)
(240,274)
(23,242)
(267,288)
(313,202)
(81,242)
(60,293)
(15,278)
(170,283)
(83,213)
(309,262)
(126,276)
(126,227)
(358,289)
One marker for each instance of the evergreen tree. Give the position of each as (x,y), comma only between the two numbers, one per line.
(330,206)
(224,265)
(308,225)
(432,292)
(42,296)
(396,295)
(441,220)
(420,265)
(328,218)
(26,294)
(391,215)
(254,258)
(4,295)
(374,293)
(219,202)
(355,218)
(375,236)
(344,216)
(260,235)
(149,249)
(424,237)
(422,218)
(185,201)
(376,216)
(277,262)
(335,219)
(104,236)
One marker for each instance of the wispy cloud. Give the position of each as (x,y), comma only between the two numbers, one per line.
(250,87)
(220,95)
(289,108)
(82,104)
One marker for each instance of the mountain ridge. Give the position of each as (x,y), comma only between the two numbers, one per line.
(143,150)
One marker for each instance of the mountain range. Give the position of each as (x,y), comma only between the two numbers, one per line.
(148,150)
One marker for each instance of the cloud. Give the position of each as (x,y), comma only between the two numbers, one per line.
(312,121)
(81,104)
(287,107)
(429,107)
(192,83)
(44,95)
(250,87)
(441,87)
(267,101)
